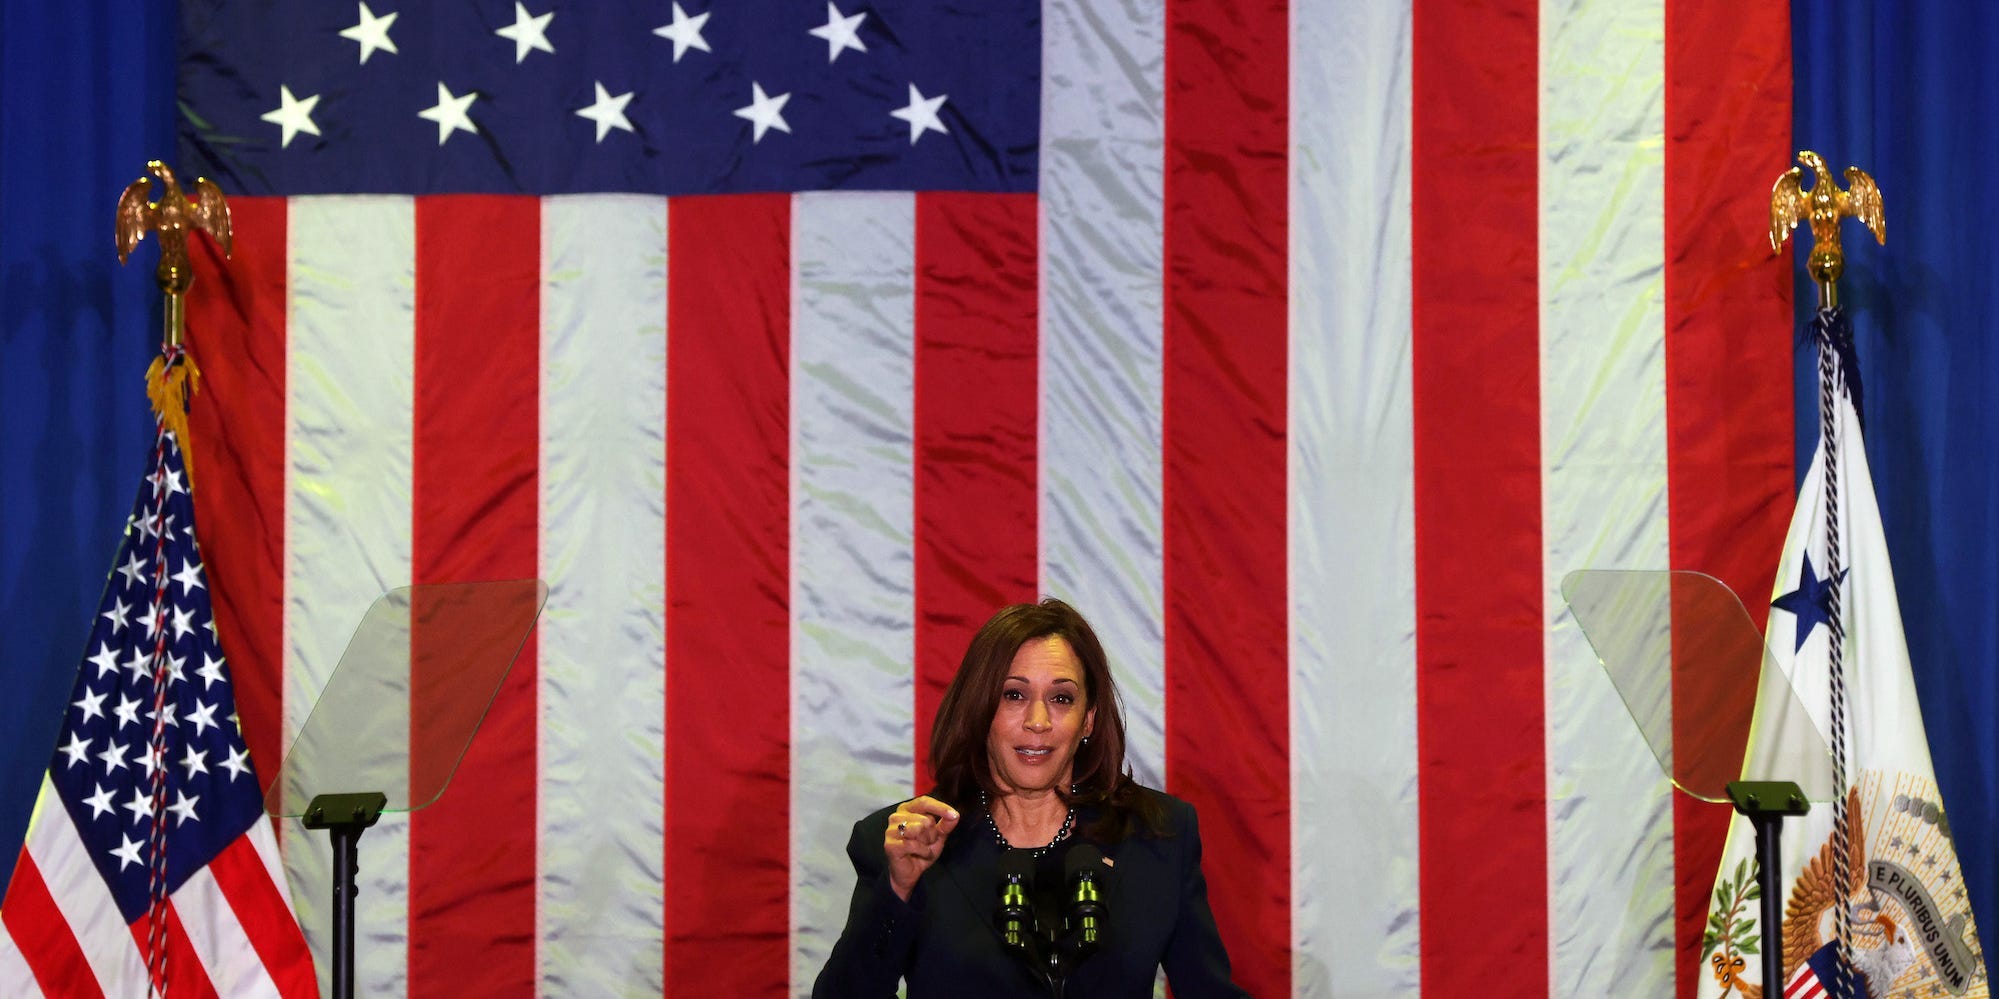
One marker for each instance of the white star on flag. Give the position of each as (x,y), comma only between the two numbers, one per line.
(210,671)
(128,854)
(189,578)
(106,660)
(113,757)
(529,33)
(608,112)
(237,764)
(196,761)
(78,749)
(202,718)
(765,112)
(141,805)
(92,705)
(152,760)
(184,808)
(921,114)
(119,615)
(100,802)
(373,33)
(449,113)
(127,712)
(292,116)
(131,570)
(685,32)
(840,33)
(167,714)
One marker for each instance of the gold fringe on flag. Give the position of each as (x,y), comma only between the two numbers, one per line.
(170,384)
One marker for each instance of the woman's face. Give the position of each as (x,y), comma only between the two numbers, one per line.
(1042,718)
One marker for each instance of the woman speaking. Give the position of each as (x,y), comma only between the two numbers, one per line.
(1036,865)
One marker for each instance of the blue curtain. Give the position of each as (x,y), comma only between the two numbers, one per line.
(86,97)
(1909,94)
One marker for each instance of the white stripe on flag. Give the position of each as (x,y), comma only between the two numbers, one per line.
(1352,581)
(219,939)
(600,914)
(79,893)
(853,610)
(1101,227)
(1604,496)
(264,842)
(349,408)
(14,970)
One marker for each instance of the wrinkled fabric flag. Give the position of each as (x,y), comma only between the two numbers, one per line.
(1304,348)
(1912,928)
(78,918)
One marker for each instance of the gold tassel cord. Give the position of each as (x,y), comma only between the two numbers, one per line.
(170,384)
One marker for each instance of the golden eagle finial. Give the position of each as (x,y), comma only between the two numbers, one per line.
(173,215)
(1823,206)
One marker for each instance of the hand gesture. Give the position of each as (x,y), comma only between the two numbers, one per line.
(914,839)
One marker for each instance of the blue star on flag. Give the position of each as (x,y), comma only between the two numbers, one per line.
(1810,603)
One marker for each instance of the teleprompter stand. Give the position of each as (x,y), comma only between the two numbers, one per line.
(1693,671)
(395,718)
(344,816)
(1765,803)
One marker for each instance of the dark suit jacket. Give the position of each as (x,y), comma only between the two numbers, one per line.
(943,941)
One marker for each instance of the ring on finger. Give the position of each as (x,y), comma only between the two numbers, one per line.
(902,830)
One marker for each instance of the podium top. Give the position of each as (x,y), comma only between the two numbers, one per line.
(1692,669)
(401,707)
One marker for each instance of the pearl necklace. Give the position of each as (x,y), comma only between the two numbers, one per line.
(1060,834)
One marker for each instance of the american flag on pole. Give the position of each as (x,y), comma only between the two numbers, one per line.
(1303,347)
(151,778)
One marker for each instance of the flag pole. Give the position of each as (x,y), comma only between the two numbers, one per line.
(169,382)
(1823,206)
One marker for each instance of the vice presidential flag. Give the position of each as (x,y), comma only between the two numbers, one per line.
(1912,932)
(152,789)
(1303,347)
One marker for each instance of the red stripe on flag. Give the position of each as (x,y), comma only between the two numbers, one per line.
(185,976)
(975,410)
(236,334)
(269,925)
(1728,341)
(475,499)
(43,936)
(1475,356)
(1224,396)
(728,629)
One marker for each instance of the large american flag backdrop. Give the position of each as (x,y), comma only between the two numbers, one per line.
(1304,347)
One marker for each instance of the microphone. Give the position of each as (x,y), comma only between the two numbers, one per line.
(1016,913)
(1083,871)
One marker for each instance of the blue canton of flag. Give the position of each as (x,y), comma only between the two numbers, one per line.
(156,603)
(652,98)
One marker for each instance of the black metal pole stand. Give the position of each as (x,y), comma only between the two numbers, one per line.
(1765,803)
(344,816)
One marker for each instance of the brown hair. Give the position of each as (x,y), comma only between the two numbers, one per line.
(958,756)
